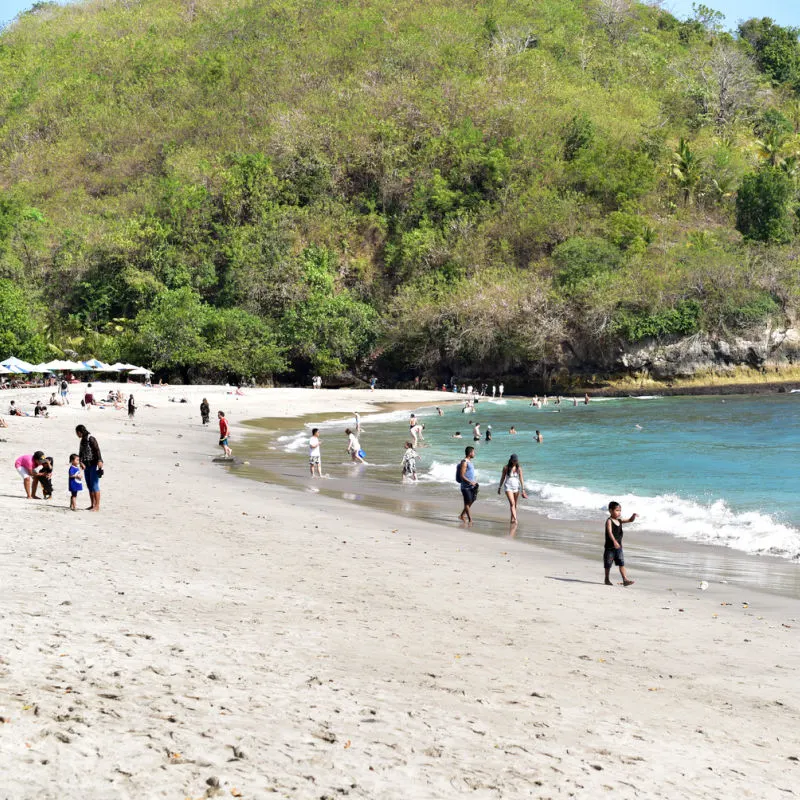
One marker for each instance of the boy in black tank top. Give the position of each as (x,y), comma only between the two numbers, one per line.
(612,552)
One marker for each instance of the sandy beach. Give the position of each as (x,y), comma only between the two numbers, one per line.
(206,635)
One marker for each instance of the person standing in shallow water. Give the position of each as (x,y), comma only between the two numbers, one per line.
(91,462)
(469,486)
(205,411)
(224,433)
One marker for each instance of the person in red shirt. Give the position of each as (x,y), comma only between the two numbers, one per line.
(223,434)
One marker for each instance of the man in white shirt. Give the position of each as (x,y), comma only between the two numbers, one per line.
(314,456)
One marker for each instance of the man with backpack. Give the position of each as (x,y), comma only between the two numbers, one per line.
(465,476)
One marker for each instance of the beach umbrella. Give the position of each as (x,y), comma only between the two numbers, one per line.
(41,368)
(141,371)
(5,370)
(18,365)
(105,367)
(76,366)
(57,365)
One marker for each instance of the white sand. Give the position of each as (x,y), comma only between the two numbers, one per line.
(288,645)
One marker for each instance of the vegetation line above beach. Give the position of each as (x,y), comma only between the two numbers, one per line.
(297,187)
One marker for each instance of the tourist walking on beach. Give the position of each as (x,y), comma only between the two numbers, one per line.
(513,484)
(64,392)
(465,475)
(354,447)
(357,417)
(314,453)
(612,552)
(131,407)
(410,462)
(205,412)
(26,466)
(224,433)
(75,480)
(91,461)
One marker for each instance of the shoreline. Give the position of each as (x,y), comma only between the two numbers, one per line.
(208,636)
(647,550)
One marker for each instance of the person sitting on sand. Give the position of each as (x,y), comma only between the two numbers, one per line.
(354,448)
(13,411)
(410,458)
(224,432)
(513,484)
(88,397)
(26,466)
(54,401)
(3,423)
(612,551)
(40,409)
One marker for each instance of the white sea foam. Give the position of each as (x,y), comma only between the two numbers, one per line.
(295,442)
(710,523)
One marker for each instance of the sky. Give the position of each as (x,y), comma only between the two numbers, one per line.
(784,12)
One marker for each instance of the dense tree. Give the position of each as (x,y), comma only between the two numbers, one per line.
(762,206)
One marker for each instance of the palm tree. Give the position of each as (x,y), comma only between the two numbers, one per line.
(686,169)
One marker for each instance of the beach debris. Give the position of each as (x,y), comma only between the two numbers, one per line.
(703,586)
(347,745)
(235,792)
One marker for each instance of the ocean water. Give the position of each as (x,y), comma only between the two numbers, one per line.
(712,470)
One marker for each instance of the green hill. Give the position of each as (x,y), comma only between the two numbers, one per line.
(223,187)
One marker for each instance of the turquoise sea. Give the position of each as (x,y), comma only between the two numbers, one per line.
(712,470)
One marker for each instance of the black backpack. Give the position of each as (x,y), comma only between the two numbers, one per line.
(458,470)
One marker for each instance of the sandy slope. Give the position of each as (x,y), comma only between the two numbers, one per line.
(208,630)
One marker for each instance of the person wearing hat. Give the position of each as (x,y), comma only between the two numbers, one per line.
(512,482)
(488,433)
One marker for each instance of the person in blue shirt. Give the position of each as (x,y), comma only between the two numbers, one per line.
(469,486)
(75,481)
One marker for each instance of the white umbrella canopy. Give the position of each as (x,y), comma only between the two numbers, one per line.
(5,370)
(18,365)
(75,366)
(141,371)
(57,365)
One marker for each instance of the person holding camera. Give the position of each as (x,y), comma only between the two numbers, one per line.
(92,465)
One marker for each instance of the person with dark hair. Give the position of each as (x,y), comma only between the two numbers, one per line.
(315,453)
(131,407)
(224,433)
(612,552)
(354,448)
(91,460)
(469,486)
(75,481)
(26,466)
(205,411)
(44,476)
(513,484)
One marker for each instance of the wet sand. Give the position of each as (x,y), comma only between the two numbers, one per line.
(650,552)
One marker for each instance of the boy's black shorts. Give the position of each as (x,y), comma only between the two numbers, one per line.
(613,557)
(469,493)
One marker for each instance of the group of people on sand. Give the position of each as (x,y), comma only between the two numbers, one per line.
(511,482)
(85,468)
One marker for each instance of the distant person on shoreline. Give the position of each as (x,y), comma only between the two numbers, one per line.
(26,466)
(465,474)
(314,453)
(358,421)
(131,407)
(224,433)
(538,437)
(586,399)
(92,465)
(612,551)
(205,411)
(354,448)
(75,481)
(410,462)
(64,392)
(513,484)
(500,389)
